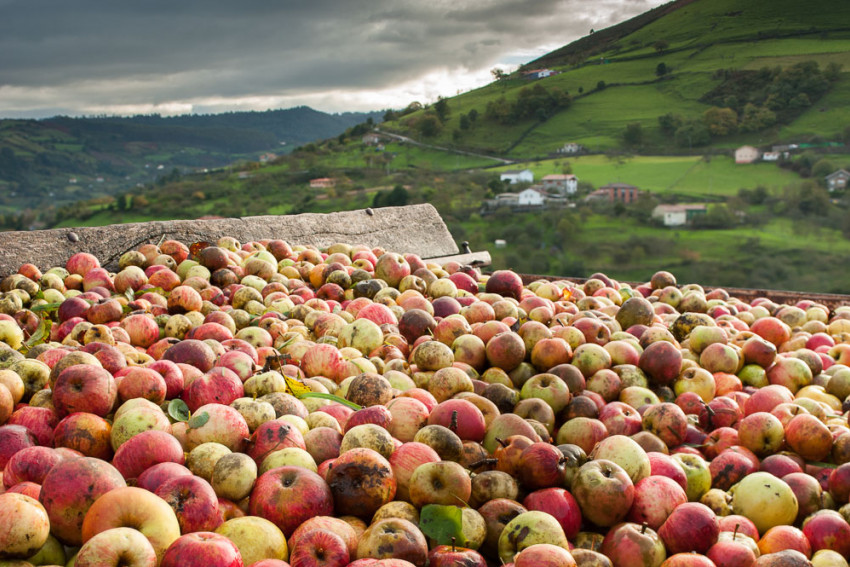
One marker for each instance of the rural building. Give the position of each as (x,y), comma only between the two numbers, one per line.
(322,183)
(267,157)
(566,184)
(837,180)
(538,73)
(678,215)
(570,148)
(371,139)
(517,176)
(746,154)
(771,156)
(616,193)
(531,196)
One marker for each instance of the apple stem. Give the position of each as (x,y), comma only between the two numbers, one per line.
(735,533)
(453,544)
(643,528)
(483,462)
(501,442)
(453,423)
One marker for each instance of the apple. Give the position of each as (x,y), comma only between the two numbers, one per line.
(656,497)
(690,527)
(194,502)
(544,555)
(84,388)
(202,549)
(764,499)
(630,544)
(443,482)
(394,538)
(558,503)
(70,489)
(133,507)
(329,524)
(827,529)
(117,546)
(146,449)
(604,492)
(287,496)
(527,529)
(24,525)
(450,556)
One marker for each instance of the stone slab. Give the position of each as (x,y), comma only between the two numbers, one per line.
(416,229)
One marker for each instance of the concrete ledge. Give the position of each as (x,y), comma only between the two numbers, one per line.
(416,229)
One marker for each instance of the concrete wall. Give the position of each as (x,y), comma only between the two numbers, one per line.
(416,229)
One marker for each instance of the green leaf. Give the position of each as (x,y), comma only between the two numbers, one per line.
(199,420)
(40,335)
(130,294)
(46,307)
(442,523)
(331,397)
(178,410)
(158,290)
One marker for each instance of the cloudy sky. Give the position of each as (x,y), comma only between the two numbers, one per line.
(84,57)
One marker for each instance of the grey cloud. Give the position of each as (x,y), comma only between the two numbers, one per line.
(97,53)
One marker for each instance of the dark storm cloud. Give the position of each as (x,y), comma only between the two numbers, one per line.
(87,54)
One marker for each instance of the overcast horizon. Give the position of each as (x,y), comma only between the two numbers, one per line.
(92,57)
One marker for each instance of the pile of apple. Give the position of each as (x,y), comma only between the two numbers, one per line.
(269,405)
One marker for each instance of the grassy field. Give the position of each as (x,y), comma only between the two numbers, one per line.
(779,255)
(693,177)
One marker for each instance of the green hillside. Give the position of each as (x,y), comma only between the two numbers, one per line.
(790,61)
(61,160)
(734,73)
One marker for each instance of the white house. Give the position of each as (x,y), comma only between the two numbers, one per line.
(516,176)
(677,215)
(531,196)
(570,148)
(563,184)
(837,180)
(539,73)
(771,156)
(746,154)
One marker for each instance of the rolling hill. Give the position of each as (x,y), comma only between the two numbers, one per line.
(61,160)
(761,59)
(659,101)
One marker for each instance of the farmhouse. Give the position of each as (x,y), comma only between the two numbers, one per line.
(538,73)
(616,193)
(678,215)
(837,180)
(746,154)
(570,148)
(267,157)
(531,196)
(322,183)
(770,156)
(371,139)
(515,176)
(566,184)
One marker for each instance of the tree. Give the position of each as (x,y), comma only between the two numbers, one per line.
(633,134)
(429,125)
(669,123)
(661,69)
(464,122)
(720,121)
(441,107)
(600,86)
(756,118)
(660,45)
(498,74)
(389,115)
(473,115)
(692,134)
